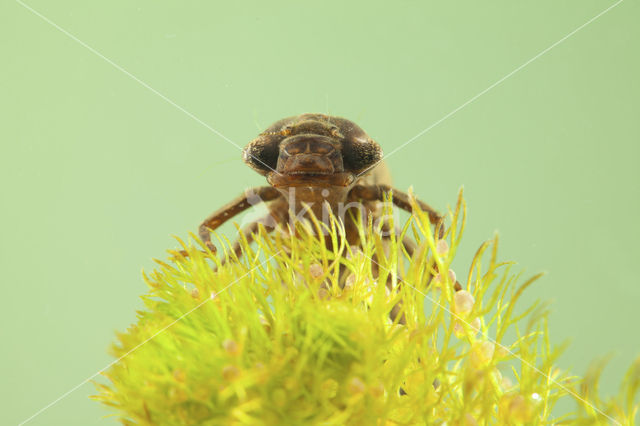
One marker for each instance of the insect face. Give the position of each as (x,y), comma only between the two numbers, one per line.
(312,150)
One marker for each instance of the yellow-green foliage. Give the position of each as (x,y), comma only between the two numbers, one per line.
(272,338)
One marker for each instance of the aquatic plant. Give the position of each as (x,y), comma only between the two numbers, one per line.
(274,337)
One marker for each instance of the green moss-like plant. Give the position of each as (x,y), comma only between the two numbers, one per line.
(273,338)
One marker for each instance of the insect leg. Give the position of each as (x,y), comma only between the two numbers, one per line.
(248,232)
(238,205)
(408,244)
(400,199)
(396,311)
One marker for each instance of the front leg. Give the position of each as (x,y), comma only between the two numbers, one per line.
(247,233)
(400,199)
(238,205)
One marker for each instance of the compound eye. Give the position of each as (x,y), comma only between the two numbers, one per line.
(360,155)
(262,154)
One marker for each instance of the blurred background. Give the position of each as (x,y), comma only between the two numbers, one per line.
(107,151)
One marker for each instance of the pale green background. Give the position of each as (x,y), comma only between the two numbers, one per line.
(98,172)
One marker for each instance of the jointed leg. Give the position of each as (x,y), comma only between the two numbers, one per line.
(247,232)
(409,246)
(400,199)
(238,205)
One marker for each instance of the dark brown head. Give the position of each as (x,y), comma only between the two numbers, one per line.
(312,149)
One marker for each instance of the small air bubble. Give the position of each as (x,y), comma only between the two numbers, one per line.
(463,302)
(230,372)
(316,270)
(356,386)
(355,251)
(350,281)
(231,347)
(506,383)
(482,353)
(442,247)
